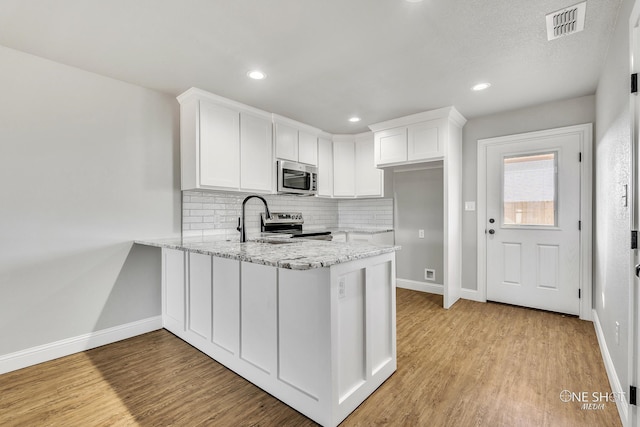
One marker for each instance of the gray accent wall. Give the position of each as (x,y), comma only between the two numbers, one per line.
(418,196)
(612,257)
(87,165)
(546,116)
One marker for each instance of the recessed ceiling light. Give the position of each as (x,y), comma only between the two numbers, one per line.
(354,119)
(481,86)
(256,74)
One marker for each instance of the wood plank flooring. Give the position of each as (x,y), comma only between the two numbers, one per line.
(473,365)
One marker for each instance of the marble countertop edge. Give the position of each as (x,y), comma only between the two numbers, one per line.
(299,255)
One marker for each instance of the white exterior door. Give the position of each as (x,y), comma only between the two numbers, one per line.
(533,224)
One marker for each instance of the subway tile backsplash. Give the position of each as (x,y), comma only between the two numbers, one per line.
(365,213)
(215,214)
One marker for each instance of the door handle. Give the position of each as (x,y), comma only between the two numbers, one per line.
(638,270)
(492,231)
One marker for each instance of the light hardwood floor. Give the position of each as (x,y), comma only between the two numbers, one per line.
(473,365)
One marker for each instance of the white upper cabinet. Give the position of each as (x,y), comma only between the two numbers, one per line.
(416,138)
(426,140)
(296,141)
(307,148)
(369,179)
(219,127)
(224,145)
(256,154)
(344,174)
(325,167)
(286,142)
(391,146)
(354,170)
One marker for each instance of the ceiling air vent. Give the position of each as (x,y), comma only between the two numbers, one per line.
(566,21)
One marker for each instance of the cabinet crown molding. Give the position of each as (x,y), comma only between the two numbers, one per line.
(447,112)
(194,94)
(351,137)
(299,125)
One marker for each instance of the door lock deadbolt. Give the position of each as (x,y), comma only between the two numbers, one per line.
(491,220)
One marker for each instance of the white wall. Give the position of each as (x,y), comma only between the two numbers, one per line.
(612,262)
(546,116)
(87,165)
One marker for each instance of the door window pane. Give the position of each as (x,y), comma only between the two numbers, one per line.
(530,189)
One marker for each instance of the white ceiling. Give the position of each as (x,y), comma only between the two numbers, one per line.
(326,60)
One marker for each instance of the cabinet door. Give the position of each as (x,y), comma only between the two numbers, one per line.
(256,155)
(368,177)
(307,148)
(286,142)
(425,140)
(199,296)
(325,168)
(226,304)
(173,290)
(219,146)
(391,146)
(258,316)
(343,169)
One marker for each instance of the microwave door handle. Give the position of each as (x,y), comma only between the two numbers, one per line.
(295,174)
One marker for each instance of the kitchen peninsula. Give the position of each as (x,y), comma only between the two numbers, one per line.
(310,322)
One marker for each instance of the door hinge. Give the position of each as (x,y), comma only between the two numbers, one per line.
(632,394)
(634,239)
(580,156)
(579,293)
(579,225)
(634,83)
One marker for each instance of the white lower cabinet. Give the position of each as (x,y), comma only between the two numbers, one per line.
(199,295)
(320,340)
(226,305)
(258,316)
(173,287)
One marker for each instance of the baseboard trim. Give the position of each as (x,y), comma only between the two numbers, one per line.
(614,381)
(44,353)
(414,285)
(470,294)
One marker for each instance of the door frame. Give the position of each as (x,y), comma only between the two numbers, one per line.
(633,372)
(585,133)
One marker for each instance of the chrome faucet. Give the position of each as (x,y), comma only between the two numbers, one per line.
(240,227)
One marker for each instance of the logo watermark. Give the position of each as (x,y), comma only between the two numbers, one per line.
(591,401)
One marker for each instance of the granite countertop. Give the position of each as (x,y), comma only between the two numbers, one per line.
(298,254)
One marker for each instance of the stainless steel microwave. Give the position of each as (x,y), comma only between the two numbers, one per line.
(296,178)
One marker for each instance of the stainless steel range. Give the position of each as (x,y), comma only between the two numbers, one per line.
(290,223)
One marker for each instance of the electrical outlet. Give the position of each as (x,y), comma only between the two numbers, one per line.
(617,333)
(342,288)
(421,234)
